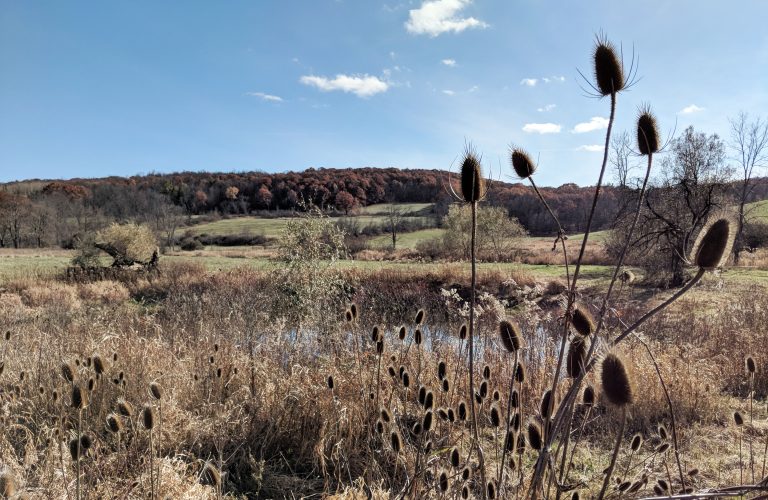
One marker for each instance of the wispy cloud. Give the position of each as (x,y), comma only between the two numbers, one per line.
(548,107)
(549,79)
(592,148)
(542,128)
(529,82)
(265,97)
(691,109)
(449,62)
(360,85)
(449,92)
(532,82)
(435,17)
(596,123)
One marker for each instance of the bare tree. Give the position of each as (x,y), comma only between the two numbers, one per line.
(395,216)
(749,143)
(619,156)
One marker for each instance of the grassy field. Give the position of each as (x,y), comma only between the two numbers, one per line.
(757,211)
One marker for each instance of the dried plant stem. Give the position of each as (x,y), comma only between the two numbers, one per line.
(741,463)
(79,451)
(560,232)
(751,399)
(565,449)
(576,442)
(151,466)
(616,448)
(378,379)
(502,465)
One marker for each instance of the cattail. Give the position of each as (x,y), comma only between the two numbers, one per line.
(472,182)
(495,415)
(386,415)
(98,364)
(124,408)
(68,372)
(463,332)
(443,481)
(462,411)
(7,484)
(210,476)
(148,417)
(662,432)
(637,442)
(714,243)
(455,457)
(401,333)
(79,397)
(441,370)
(426,422)
(486,372)
(534,436)
(522,163)
(609,72)
(419,317)
(750,364)
(520,373)
(582,321)
(647,132)
(738,419)
(417,336)
(353,310)
(577,354)
(330,382)
(616,385)
(114,423)
(544,407)
(396,441)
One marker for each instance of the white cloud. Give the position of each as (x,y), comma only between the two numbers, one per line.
(473,88)
(596,123)
(266,97)
(529,82)
(592,148)
(690,109)
(548,107)
(360,85)
(542,128)
(435,17)
(449,62)
(449,92)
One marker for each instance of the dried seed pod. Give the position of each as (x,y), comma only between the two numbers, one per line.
(429,400)
(486,372)
(376,334)
(609,72)
(462,411)
(495,415)
(210,476)
(114,423)
(442,481)
(124,408)
(520,373)
(662,448)
(522,163)
(426,422)
(98,364)
(637,442)
(396,441)
(446,385)
(353,310)
(419,317)
(148,417)
(714,243)
(521,443)
(330,382)
(386,415)
(534,436)
(75,450)
(514,399)
(662,432)
(441,370)
(466,473)
(647,132)
(577,354)
(79,398)
(491,490)
(582,321)
(750,364)
(616,385)
(417,336)
(463,332)
(546,404)
(401,333)
(472,181)
(738,419)
(68,372)
(455,457)
(406,380)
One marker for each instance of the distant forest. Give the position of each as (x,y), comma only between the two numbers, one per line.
(35,213)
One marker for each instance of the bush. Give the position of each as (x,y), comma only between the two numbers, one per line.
(191,244)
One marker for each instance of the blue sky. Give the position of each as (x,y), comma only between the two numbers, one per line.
(97,88)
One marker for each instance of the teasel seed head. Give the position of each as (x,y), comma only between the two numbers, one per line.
(114,423)
(443,481)
(419,317)
(472,181)
(534,436)
(464,492)
(442,413)
(582,321)
(422,396)
(353,310)
(348,316)
(750,364)
(657,490)
(86,442)
(380,347)
(210,476)
(484,389)
(496,395)
(662,448)
(609,71)
(522,163)
(637,442)
(514,399)
(663,485)
(510,336)
(462,410)
(544,407)
(416,429)
(577,354)
(376,334)
(466,473)
(75,450)
(391,371)
(455,459)
(429,400)
(79,398)
(647,132)
(520,373)
(616,385)
(417,336)
(441,370)
(516,421)
(148,417)
(330,382)
(693,472)
(738,419)
(662,432)
(124,408)
(68,372)
(379,426)
(451,415)
(406,379)
(509,440)
(714,242)
(495,415)
(624,486)
(7,484)
(486,372)
(588,398)
(575,496)
(396,441)
(401,333)
(446,385)
(463,332)
(386,415)
(491,490)
(521,444)
(426,422)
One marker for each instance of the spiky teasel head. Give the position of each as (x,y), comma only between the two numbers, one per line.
(582,321)
(419,320)
(330,382)
(738,419)
(396,441)
(577,354)
(714,242)
(426,422)
(462,410)
(627,277)
(647,131)
(495,415)
(472,181)
(210,476)
(520,373)
(114,423)
(401,333)
(534,435)
(522,163)
(376,335)
(155,390)
(442,481)
(546,404)
(76,451)
(441,370)
(7,484)
(609,71)
(455,458)
(124,408)
(68,371)
(510,336)
(463,332)
(616,385)
(749,363)
(86,441)
(148,417)
(79,398)
(490,490)
(348,316)
(662,432)
(98,365)
(353,310)
(637,442)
